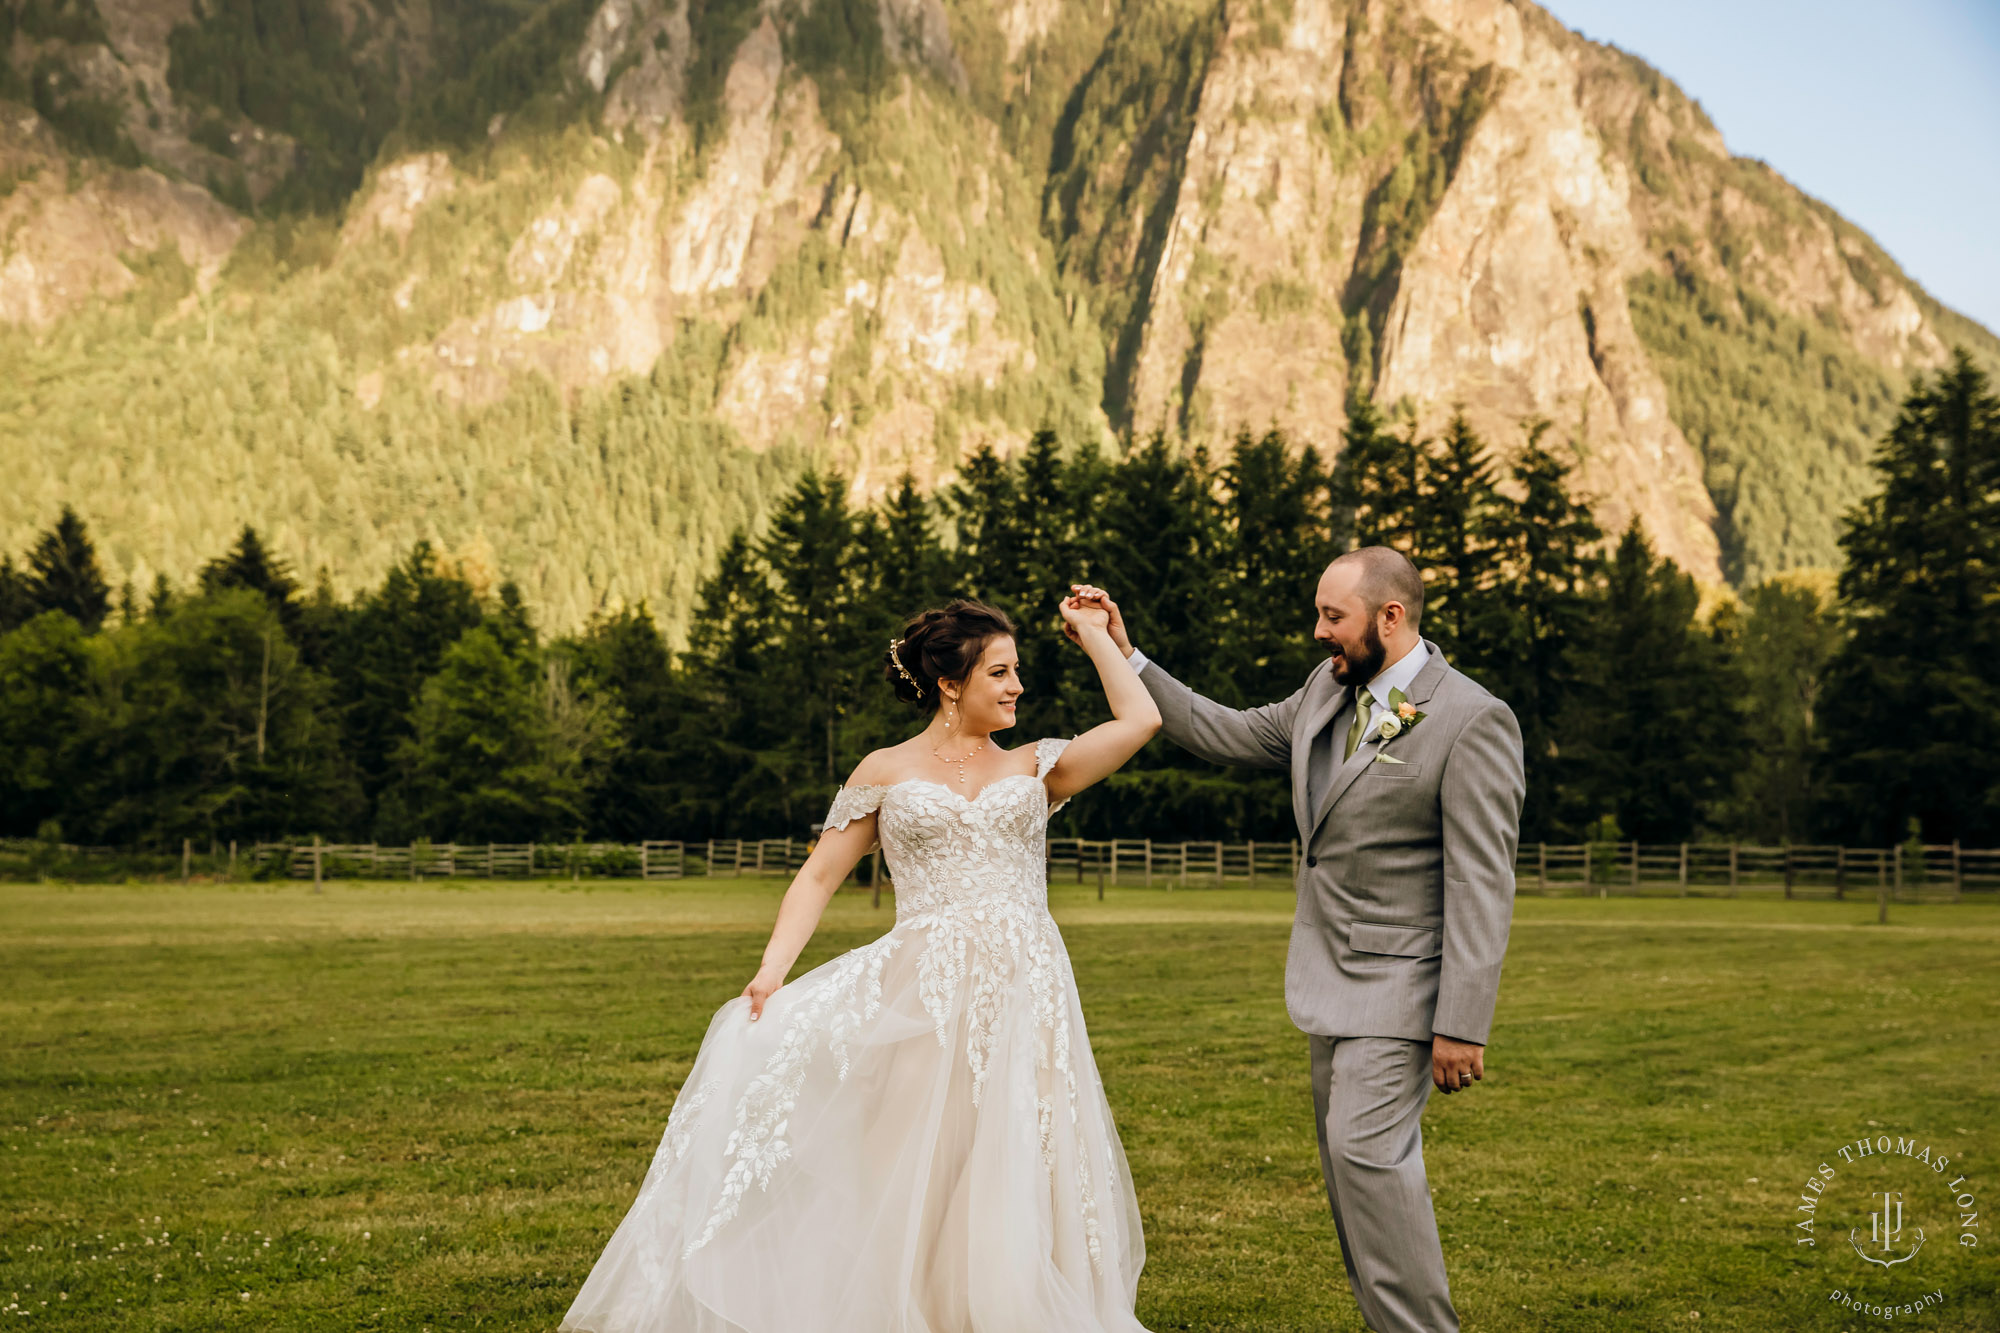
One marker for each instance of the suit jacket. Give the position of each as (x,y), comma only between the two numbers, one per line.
(1406,888)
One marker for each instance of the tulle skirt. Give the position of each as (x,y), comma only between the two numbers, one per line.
(912,1139)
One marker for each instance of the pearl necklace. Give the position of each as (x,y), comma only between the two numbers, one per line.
(960,761)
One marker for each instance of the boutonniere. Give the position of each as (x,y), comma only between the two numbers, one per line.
(1402,716)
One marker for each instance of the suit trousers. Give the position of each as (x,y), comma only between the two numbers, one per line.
(1368,1104)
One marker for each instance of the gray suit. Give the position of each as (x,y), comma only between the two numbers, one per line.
(1404,902)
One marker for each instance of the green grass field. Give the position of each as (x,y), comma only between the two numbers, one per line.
(425,1107)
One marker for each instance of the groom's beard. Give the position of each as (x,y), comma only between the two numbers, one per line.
(1357,669)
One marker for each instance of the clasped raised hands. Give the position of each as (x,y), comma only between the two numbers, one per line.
(1088,604)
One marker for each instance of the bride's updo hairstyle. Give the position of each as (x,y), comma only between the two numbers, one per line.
(943,643)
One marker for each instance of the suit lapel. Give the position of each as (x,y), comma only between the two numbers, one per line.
(1420,691)
(1343,778)
(1425,685)
(1316,715)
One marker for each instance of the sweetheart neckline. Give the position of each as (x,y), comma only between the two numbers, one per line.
(969,800)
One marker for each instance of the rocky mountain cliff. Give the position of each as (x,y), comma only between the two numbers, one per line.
(570,288)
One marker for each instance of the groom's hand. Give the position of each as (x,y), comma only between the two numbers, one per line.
(1454,1064)
(1091,595)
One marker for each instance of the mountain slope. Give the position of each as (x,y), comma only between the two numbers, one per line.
(615,271)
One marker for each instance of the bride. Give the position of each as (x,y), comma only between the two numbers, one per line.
(912,1137)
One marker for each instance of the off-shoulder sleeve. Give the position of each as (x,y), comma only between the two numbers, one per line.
(852,803)
(1047,751)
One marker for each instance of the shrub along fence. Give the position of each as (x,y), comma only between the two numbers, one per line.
(1907,873)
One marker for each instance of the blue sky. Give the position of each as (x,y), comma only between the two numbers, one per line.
(1889,112)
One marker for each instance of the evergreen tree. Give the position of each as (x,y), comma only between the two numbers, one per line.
(1459,528)
(813,561)
(1043,532)
(734,739)
(248,565)
(985,507)
(1913,731)
(1789,637)
(1537,614)
(45,675)
(160,602)
(393,639)
(17,603)
(1163,547)
(208,725)
(912,570)
(623,658)
(1652,731)
(1377,484)
(476,766)
(1280,540)
(1160,549)
(906,569)
(63,574)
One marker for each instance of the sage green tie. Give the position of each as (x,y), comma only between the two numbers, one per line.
(1364,703)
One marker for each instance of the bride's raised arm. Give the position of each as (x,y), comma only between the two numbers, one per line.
(849,833)
(1135,718)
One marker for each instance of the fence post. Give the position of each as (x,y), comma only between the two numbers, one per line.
(1840,872)
(1898,858)
(1788,870)
(1957,872)
(1253,863)
(187,857)
(708,861)
(1684,870)
(1732,870)
(1586,866)
(232,858)
(1542,867)
(1149,863)
(316,872)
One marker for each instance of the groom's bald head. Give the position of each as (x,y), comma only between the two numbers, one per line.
(1381,575)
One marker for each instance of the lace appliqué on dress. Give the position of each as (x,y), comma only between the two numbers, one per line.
(1047,751)
(680,1128)
(831,1009)
(852,803)
(972,893)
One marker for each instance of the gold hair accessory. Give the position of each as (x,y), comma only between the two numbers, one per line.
(896,656)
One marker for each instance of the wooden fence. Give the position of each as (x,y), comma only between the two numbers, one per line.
(1945,872)
(1941,872)
(655,859)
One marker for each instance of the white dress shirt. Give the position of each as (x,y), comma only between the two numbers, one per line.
(1398,675)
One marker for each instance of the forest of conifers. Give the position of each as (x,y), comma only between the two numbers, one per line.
(247,707)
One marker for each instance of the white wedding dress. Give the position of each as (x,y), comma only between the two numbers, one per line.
(913,1138)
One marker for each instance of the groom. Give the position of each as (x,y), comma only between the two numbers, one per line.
(1407,786)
